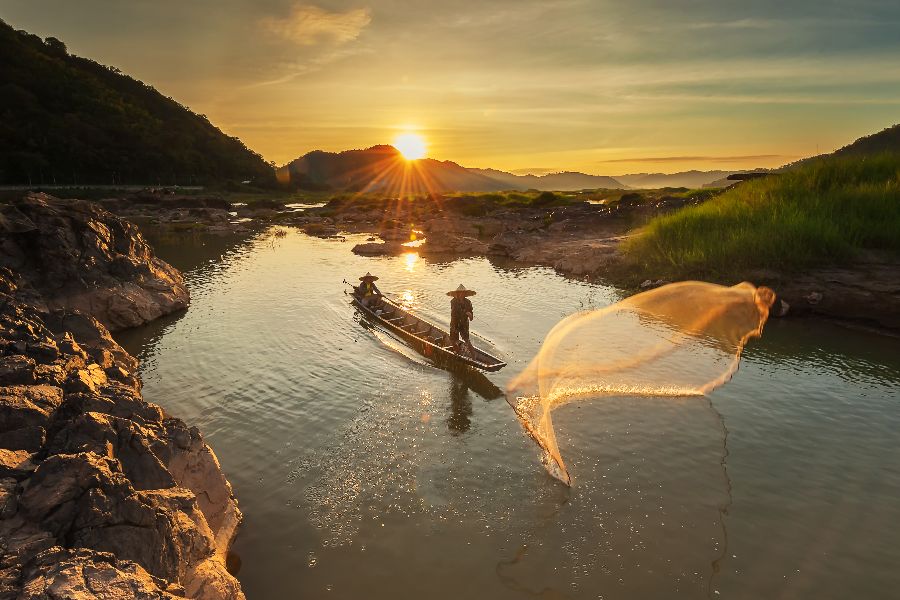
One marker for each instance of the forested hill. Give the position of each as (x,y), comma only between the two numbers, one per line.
(886,141)
(69,120)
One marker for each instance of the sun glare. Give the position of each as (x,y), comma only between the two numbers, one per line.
(410,145)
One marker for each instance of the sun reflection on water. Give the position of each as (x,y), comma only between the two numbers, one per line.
(411,259)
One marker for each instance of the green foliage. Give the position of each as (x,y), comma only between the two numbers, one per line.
(824,212)
(70,120)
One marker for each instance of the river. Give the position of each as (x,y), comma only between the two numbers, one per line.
(364,472)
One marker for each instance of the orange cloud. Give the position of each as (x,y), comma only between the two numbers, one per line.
(307,25)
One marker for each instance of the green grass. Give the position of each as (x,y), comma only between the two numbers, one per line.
(827,212)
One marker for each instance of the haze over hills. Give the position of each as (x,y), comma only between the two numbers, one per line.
(70,120)
(564,181)
(688,179)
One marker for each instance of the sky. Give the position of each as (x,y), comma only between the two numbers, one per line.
(598,86)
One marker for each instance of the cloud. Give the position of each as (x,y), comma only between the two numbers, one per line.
(307,25)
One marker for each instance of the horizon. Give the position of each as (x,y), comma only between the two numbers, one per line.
(520,172)
(536,88)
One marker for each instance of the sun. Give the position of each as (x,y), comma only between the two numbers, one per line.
(411,145)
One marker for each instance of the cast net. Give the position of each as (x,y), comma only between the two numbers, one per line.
(682,339)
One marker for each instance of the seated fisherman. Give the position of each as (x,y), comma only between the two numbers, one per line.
(369,294)
(460,315)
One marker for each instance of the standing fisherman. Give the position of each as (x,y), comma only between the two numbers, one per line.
(369,294)
(460,315)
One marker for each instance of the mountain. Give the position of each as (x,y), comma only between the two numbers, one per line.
(69,120)
(383,168)
(688,179)
(565,181)
(887,140)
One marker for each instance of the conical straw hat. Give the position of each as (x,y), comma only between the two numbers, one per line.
(461,290)
(368,276)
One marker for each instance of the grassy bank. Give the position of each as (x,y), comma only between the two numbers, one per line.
(826,212)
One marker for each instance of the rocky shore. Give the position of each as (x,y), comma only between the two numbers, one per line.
(102,494)
(584,240)
(576,238)
(72,254)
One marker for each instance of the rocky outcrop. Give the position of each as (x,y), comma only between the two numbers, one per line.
(99,488)
(865,294)
(102,494)
(379,249)
(77,256)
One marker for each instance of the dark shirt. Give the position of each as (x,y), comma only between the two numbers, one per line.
(458,309)
(367,288)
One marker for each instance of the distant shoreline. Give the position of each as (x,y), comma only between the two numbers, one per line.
(578,239)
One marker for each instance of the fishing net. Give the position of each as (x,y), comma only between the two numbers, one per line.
(682,339)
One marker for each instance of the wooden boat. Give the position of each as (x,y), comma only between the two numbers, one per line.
(427,338)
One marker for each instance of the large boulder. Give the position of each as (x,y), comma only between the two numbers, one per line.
(446,243)
(85,574)
(379,249)
(77,255)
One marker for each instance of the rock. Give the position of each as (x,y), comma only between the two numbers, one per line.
(375,249)
(44,349)
(91,332)
(16,369)
(320,229)
(452,244)
(81,381)
(587,259)
(12,220)
(27,406)
(16,463)
(194,465)
(29,438)
(87,575)
(397,235)
(649,284)
(79,256)
(97,486)
(455,226)
(780,309)
(266,204)
(8,497)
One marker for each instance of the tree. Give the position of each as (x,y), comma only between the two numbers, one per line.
(56,46)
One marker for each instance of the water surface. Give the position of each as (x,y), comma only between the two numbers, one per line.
(363,471)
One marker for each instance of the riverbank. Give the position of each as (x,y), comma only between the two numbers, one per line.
(100,490)
(580,235)
(591,241)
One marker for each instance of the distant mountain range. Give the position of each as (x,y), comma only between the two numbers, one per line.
(688,179)
(383,168)
(565,181)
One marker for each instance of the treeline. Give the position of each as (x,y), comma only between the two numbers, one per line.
(70,120)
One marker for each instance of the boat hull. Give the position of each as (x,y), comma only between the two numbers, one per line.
(410,329)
